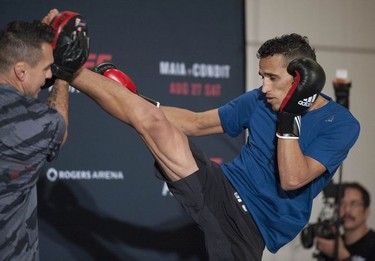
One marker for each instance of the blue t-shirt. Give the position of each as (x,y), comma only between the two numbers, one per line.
(326,135)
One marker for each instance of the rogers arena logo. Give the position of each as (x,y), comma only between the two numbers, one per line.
(54,174)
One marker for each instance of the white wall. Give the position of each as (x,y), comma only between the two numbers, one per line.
(343,34)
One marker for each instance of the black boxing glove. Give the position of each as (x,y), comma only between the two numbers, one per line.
(309,80)
(71,44)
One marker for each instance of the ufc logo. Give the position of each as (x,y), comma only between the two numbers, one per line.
(96,59)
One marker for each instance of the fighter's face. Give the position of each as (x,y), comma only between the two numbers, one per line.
(36,76)
(276,80)
(352,210)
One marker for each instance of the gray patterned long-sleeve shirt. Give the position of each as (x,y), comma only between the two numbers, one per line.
(30,133)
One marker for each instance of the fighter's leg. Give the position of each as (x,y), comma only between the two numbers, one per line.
(168,145)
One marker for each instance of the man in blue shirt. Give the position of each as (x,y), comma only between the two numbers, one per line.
(298,138)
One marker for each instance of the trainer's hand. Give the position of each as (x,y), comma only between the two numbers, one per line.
(309,80)
(48,18)
(327,247)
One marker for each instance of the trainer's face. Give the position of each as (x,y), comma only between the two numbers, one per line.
(36,76)
(352,210)
(276,80)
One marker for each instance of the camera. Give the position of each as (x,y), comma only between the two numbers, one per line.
(323,229)
(328,219)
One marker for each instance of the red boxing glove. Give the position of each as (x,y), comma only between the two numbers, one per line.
(122,78)
(110,71)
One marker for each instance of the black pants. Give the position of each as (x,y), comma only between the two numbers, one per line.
(207,195)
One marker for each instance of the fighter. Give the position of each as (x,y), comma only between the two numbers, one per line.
(298,137)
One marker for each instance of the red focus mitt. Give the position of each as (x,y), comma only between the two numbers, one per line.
(71,44)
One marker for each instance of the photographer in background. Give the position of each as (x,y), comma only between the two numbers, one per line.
(358,240)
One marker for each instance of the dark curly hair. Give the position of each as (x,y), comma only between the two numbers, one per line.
(290,45)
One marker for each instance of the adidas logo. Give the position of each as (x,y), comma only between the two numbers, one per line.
(307,102)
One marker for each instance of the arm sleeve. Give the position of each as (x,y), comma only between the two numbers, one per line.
(235,115)
(333,144)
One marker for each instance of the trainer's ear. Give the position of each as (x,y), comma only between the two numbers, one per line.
(20,70)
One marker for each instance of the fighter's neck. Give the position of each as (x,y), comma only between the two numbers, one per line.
(320,102)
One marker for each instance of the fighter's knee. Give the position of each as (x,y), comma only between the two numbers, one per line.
(153,120)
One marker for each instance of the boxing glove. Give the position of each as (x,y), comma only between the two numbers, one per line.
(71,44)
(110,71)
(309,80)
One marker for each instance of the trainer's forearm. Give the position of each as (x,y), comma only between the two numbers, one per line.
(59,99)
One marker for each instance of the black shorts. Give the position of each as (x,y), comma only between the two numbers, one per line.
(210,199)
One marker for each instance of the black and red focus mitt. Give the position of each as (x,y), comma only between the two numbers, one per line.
(71,44)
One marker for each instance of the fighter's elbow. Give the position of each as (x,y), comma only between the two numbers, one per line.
(290,184)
